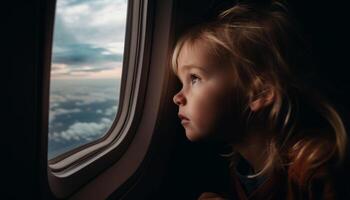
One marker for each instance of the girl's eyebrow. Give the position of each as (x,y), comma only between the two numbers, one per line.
(188,67)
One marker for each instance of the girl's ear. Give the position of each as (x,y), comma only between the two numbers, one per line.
(263,99)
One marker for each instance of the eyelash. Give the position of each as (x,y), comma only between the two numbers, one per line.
(194,78)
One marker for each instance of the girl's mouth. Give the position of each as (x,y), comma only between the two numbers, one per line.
(182,117)
(184,120)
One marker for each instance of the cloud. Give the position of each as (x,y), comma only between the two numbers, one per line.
(107,71)
(77,55)
(89,99)
(59,69)
(83,92)
(66,3)
(111,111)
(80,99)
(61,111)
(57,99)
(88,37)
(99,23)
(99,111)
(62,34)
(83,131)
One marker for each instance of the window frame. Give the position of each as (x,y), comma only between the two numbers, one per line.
(69,171)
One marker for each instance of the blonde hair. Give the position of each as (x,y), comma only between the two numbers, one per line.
(263,47)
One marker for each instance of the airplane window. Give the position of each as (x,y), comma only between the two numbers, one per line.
(87,57)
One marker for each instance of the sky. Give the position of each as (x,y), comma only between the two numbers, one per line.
(88,39)
(88,43)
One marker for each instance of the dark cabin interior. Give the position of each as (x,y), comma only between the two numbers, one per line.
(189,168)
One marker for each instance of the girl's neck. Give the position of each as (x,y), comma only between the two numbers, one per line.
(253,149)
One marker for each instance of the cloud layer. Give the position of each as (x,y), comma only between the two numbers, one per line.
(80,111)
(86,131)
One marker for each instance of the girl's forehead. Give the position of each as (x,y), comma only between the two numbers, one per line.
(197,54)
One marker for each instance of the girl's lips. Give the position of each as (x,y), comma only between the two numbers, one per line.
(184,120)
(182,117)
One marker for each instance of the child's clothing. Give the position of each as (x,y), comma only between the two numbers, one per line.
(276,187)
(324,184)
(243,170)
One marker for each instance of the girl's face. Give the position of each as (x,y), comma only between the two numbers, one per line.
(206,92)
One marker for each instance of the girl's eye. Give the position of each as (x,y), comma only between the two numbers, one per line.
(194,79)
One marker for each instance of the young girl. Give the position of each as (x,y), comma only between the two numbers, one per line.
(241,85)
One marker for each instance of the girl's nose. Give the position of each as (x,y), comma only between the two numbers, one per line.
(179,99)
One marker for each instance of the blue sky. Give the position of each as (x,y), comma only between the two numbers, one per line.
(88,39)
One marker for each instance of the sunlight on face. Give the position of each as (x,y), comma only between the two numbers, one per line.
(205,94)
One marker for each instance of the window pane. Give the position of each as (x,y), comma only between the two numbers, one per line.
(86,69)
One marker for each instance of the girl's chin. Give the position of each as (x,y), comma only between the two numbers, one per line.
(193,137)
